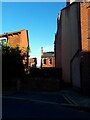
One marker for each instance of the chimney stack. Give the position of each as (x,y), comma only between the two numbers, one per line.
(67,2)
(41,50)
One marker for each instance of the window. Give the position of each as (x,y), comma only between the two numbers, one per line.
(44,61)
(50,61)
(3,41)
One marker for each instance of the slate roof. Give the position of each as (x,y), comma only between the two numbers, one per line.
(47,54)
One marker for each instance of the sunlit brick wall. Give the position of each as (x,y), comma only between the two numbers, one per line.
(84,12)
(48,63)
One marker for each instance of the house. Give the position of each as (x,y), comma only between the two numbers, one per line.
(32,62)
(47,59)
(74,44)
(18,38)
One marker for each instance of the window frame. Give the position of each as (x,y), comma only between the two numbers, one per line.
(50,61)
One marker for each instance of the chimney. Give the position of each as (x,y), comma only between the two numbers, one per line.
(67,2)
(41,50)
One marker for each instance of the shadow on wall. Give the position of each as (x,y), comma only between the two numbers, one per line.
(85,73)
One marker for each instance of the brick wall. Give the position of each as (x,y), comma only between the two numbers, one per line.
(14,40)
(89,27)
(24,39)
(84,26)
(48,63)
(18,38)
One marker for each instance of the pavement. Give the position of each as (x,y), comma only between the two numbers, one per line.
(76,99)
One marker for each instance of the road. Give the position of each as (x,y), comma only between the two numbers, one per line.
(38,107)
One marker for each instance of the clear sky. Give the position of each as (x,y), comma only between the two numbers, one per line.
(39,18)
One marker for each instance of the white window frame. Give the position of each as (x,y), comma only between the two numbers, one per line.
(1,39)
(49,61)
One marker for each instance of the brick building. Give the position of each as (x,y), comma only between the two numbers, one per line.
(47,59)
(74,44)
(18,38)
(32,62)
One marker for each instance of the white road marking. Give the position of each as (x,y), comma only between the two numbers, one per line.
(70,100)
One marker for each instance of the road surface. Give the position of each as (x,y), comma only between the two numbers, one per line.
(46,106)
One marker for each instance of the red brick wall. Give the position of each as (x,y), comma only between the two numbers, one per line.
(14,40)
(47,62)
(20,39)
(89,28)
(84,26)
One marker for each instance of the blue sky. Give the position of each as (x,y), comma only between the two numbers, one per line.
(39,18)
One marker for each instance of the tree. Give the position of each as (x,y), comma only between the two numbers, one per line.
(12,65)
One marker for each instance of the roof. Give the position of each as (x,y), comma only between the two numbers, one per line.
(70,5)
(75,3)
(10,33)
(47,54)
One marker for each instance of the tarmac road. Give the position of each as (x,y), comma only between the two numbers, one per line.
(19,107)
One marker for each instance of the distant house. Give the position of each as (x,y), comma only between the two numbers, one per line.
(18,38)
(47,59)
(32,62)
(72,44)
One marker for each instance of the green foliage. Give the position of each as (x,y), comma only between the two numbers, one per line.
(12,65)
(28,49)
(3,43)
(17,46)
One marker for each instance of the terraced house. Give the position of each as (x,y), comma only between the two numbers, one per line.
(18,38)
(47,59)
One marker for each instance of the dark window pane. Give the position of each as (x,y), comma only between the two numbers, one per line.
(44,61)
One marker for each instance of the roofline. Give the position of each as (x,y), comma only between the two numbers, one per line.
(13,32)
(69,5)
(49,52)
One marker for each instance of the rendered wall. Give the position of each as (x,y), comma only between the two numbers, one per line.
(70,39)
